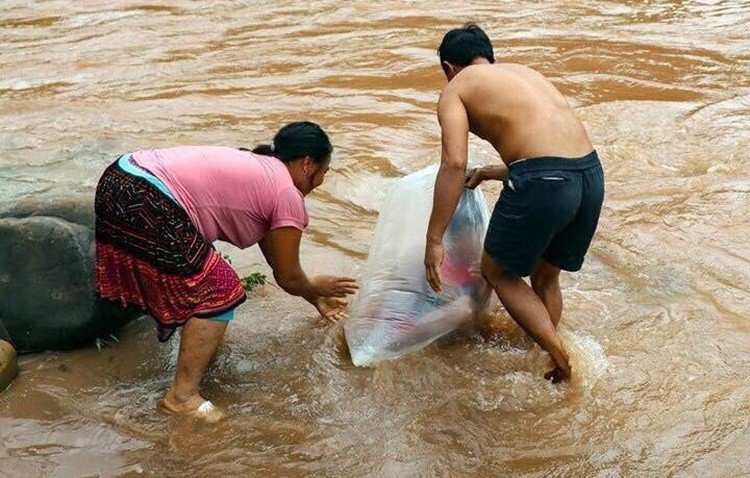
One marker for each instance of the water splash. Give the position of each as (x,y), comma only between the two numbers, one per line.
(587,357)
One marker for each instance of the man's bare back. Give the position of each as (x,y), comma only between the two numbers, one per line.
(518,111)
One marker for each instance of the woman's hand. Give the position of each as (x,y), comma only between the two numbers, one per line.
(332,308)
(474,177)
(330,286)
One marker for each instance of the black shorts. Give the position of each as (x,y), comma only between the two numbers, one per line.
(549,208)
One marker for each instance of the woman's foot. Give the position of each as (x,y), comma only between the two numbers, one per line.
(194,406)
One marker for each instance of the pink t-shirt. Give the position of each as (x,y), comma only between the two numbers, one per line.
(231,195)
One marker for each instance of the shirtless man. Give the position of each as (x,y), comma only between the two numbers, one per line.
(553,183)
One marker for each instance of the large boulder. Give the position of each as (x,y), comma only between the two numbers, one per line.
(46,276)
(76,207)
(8,364)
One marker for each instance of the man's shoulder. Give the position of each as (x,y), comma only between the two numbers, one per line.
(466,81)
(498,76)
(498,70)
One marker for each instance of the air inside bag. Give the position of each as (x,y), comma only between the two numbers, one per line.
(396,311)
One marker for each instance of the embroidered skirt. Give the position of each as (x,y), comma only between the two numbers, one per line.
(149,254)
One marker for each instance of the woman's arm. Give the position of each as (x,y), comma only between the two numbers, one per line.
(281,250)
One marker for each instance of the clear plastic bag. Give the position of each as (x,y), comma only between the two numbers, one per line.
(396,311)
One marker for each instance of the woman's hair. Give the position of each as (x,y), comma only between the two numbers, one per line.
(297,140)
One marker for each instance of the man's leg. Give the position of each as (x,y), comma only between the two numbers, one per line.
(545,280)
(198,343)
(528,310)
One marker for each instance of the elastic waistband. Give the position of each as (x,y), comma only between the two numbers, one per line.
(546,163)
(128,164)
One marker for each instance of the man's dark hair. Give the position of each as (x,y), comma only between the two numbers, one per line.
(461,45)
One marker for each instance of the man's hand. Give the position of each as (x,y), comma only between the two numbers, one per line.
(332,308)
(433,259)
(474,178)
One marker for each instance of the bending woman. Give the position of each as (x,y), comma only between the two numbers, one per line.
(157,213)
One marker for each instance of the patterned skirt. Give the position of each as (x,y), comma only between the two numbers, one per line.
(149,254)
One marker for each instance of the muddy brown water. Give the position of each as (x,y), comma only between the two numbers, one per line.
(657,321)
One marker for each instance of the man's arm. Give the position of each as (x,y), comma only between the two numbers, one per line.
(476,176)
(449,184)
(496,172)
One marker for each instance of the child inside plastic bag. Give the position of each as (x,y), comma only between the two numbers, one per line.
(396,311)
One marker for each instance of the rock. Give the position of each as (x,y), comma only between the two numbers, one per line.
(46,277)
(76,207)
(8,364)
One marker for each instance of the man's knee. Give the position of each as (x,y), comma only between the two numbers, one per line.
(493,272)
(545,276)
(487,269)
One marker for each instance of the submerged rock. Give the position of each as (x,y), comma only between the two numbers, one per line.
(46,276)
(8,364)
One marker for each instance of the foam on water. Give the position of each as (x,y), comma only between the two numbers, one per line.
(587,358)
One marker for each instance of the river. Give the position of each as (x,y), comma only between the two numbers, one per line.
(657,322)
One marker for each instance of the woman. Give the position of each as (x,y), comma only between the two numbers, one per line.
(157,213)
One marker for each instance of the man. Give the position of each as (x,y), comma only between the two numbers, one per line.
(553,182)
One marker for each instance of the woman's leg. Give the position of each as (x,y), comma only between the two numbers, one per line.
(198,343)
